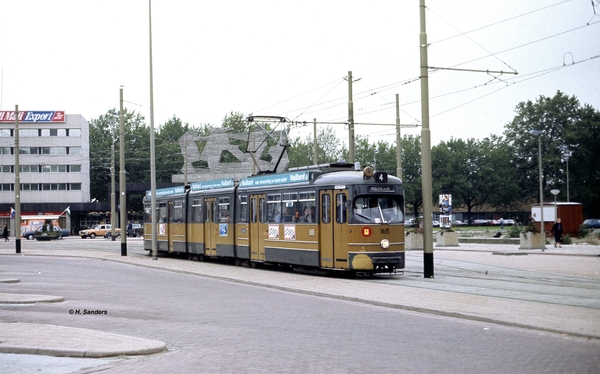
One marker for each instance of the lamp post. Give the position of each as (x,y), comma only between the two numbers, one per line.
(555,192)
(542,229)
(568,154)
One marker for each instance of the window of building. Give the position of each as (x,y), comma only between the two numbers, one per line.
(54,150)
(7,187)
(74,150)
(5,169)
(75,186)
(75,168)
(6,132)
(28,133)
(29,151)
(74,132)
(5,151)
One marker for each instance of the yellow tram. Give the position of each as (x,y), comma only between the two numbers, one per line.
(330,217)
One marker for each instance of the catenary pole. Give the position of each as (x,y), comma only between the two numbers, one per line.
(17,220)
(153,210)
(398,140)
(122,180)
(426,152)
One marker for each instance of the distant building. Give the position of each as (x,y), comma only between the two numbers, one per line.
(54,157)
(54,161)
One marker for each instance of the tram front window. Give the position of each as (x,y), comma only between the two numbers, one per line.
(378,209)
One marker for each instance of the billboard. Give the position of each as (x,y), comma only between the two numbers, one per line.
(30,116)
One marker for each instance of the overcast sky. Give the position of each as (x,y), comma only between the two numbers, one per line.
(290,58)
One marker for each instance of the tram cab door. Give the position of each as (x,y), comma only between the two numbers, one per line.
(211,227)
(333,233)
(258,227)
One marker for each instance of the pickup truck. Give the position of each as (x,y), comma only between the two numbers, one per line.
(99,230)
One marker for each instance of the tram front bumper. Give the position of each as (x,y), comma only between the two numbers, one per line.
(376,261)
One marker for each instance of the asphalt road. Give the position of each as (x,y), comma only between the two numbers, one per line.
(215,324)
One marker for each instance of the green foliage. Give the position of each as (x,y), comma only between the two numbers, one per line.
(301,152)
(584,231)
(566,127)
(411,176)
(227,157)
(513,231)
(567,239)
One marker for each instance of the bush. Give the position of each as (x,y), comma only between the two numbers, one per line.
(584,231)
(567,239)
(513,231)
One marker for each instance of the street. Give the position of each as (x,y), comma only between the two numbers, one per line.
(213,325)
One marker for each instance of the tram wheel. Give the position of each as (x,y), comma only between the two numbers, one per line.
(200,258)
(237,262)
(253,264)
(190,256)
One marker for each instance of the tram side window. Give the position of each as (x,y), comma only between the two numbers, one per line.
(223,209)
(291,209)
(263,210)
(340,210)
(177,211)
(197,210)
(274,213)
(243,208)
(162,212)
(326,209)
(147,213)
(307,205)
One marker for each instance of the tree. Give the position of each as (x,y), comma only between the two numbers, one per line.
(301,153)
(476,172)
(412,171)
(168,150)
(564,125)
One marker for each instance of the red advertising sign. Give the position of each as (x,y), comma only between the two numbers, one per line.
(33,116)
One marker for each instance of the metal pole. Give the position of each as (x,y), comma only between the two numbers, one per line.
(122,177)
(398,140)
(113,212)
(426,152)
(543,229)
(152,155)
(568,178)
(350,120)
(17,220)
(315,149)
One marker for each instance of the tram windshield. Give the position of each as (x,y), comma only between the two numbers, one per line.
(378,209)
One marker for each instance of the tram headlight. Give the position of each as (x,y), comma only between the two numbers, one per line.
(385,244)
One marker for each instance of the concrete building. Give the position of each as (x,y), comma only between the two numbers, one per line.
(54,161)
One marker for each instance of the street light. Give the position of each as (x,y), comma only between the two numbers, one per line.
(555,192)
(542,229)
(568,154)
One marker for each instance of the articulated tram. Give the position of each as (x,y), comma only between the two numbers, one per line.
(328,217)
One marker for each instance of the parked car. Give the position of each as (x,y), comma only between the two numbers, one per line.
(592,223)
(99,230)
(29,234)
(42,234)
(138,229)
(481,222)
(459,223)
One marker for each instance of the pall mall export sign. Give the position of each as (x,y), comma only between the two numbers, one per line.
(33,116)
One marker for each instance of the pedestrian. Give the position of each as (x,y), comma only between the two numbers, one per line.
(557,230)
(129,229)
(501,223)
(5,233)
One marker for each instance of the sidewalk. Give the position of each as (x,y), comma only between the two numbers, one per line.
(490,283)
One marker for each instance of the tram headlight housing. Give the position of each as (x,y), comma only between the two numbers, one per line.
(385,244)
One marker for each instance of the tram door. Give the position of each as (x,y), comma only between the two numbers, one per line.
(211,226)
(258,227)
(333,233)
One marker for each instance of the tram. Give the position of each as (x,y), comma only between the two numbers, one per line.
(325,217)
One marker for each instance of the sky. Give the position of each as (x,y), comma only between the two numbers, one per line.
(292,58)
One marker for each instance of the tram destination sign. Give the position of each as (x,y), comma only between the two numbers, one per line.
(275,179)
(381,189)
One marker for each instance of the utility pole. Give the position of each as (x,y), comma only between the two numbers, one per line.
(315,149)
(350,120)
(153,208)
(113,212)
(122,180)
(426,152)
(398,140)
(17,220)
